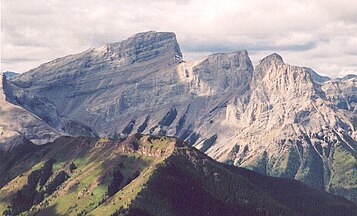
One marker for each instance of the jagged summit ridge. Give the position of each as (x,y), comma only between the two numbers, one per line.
(142,47)
(148,41)
(145,48)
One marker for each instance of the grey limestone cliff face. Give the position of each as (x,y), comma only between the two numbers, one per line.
(139,80)
(277,119)
(342,93)
(93,88)
(17,125)
(292,128)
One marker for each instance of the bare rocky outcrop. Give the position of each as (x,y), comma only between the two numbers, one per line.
(292,128)
(134,83)
(18,125)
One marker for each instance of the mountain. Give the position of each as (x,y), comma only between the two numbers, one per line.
(9,74)
(343,94)
(292,128)
(141,81)
(147,175)
(349,76)
(18,126)
(316,77)
(277,119)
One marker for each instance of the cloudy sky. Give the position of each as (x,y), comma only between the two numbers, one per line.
(321,34)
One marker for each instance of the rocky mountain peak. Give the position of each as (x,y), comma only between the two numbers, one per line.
(10,74)
(349,76)
(272,59)
(226,70)
(145,46)
(148,48)
(236,58)
(267,65)
(272,70)
(169,38)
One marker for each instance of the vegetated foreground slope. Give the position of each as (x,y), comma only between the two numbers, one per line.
(146,175)
(74,176)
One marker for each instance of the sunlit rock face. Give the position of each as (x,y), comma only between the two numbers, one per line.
(294,127)
(278,119)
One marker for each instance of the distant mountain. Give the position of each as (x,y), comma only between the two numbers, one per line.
(315,76)
(10,74)
(349,76)
(147,175)
(277,119)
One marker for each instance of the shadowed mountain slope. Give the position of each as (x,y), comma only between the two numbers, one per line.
(147,175)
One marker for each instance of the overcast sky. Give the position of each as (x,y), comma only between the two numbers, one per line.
(315,33)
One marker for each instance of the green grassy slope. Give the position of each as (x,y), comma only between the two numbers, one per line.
(146,175)
(344,173)
(86,188)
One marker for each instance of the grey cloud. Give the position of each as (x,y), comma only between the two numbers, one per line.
(319,34)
